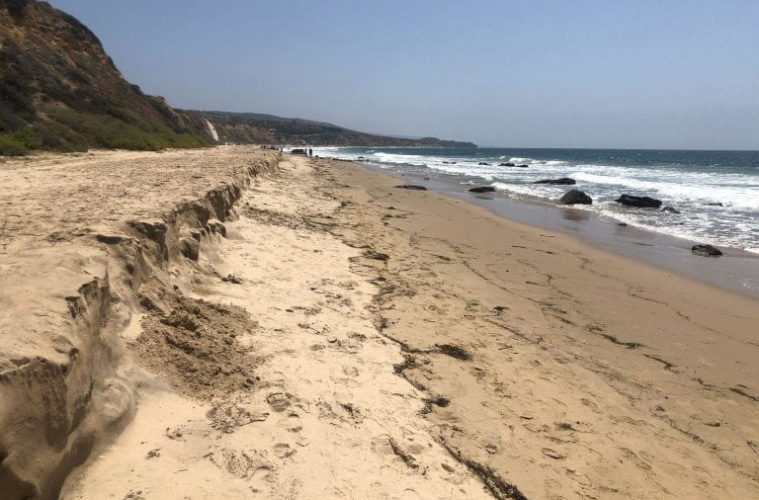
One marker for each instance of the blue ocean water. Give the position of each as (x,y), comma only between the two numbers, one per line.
(716,192)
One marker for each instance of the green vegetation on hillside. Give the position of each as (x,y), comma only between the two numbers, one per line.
(66,130)
(19,143)
(104,131)
(60,91)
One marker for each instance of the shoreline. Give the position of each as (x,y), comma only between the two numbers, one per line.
(737,271)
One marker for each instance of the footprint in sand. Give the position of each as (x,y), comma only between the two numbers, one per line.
(350,371)
(293,423)
(632,457)
(239,463)
(410,494)
(279,401)
(553,454)
(283,450)
(590,404)
(260,478)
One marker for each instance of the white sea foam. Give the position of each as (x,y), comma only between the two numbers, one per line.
(692,192)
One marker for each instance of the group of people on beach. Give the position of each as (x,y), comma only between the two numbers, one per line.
(302,151)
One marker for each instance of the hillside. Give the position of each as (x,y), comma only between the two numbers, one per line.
(60,90)
(256,128)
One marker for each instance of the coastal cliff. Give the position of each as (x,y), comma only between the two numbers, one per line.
(60,90)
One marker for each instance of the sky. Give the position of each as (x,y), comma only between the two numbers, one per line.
(674,74)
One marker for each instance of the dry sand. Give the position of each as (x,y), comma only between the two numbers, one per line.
(85,241)
(348,339)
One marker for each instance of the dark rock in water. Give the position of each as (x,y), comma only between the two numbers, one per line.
(483,163)
(576,197)
(671,210)
(622,224)
(706,250)
(507,164)
(413,187)
(482,189)
(638,201)
(449,162)
(523,166)
(564,181)
(426,178)
(715,204)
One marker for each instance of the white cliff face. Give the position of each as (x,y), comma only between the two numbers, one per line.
(212,131)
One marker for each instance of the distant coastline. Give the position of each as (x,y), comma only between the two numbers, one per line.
(257,128)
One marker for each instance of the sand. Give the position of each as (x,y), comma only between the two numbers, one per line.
(88,242)
(337,337)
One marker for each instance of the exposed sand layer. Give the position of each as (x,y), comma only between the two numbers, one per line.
(347,339)
(86,241)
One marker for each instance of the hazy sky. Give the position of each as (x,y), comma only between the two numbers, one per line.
(562,73)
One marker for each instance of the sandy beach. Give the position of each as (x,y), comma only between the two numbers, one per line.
(266,326)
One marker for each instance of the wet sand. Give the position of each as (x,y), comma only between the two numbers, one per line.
(736,271)
(337,337)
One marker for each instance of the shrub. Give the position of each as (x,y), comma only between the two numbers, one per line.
(10,146)
(68,130)
(106,131)
(28,137)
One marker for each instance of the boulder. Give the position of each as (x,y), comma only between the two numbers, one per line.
(483,163)
(523,166)
(671,210)
(506,164)
(299,151)
(638,201)
(482,189)
(564,181)
(714,204)
(576,197)
(412,187)
(706,250)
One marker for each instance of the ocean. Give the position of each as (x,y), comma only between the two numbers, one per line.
(715,192)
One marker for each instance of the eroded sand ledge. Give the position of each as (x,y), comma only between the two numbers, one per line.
(406,345)
(86,239)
